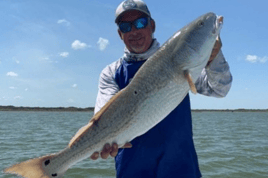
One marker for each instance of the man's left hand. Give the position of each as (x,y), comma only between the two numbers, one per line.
(215,50)
(108,149)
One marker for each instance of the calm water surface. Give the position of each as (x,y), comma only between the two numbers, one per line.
(228,144)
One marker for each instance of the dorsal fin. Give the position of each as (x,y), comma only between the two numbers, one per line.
(94,119)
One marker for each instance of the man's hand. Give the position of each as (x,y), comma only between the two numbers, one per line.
(109,150)
(215,50)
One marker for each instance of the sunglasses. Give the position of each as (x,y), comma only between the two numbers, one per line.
(139,23)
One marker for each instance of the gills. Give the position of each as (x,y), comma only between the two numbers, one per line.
(156,89)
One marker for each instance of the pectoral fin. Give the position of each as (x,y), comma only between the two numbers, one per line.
(190,81)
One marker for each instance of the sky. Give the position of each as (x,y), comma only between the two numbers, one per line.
(53,51)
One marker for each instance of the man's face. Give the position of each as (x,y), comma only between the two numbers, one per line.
(137,41)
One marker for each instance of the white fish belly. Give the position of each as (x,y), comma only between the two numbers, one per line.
(154,109)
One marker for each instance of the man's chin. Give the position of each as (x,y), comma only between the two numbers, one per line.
(138,49)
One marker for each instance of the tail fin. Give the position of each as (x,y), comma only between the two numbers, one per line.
(33,168)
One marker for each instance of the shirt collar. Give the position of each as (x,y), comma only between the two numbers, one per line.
(133,57)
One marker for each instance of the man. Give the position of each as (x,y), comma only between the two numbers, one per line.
(167,150)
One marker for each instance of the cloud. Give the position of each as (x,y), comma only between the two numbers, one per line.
(26,89)
(64,54)
(70,100)
(12,88)
(17,61)
(64,22)
(12,74)
(255,58)
(79,45)
(74,85)
(252,58)
(102,43)
(48,59)
(17,97)
(264,59)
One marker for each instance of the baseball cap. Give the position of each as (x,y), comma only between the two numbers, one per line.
(127,5)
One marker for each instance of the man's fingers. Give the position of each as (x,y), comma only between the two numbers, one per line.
(127,145)
(216,49)
(218,44)
(95,156)
(109,150)
(219,41)
(114,150)
(106,151)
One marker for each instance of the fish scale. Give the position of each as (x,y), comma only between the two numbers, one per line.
(157,88)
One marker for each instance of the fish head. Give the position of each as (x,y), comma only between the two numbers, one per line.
(193,44)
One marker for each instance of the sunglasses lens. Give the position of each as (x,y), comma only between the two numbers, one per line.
(141,23)
(125,27)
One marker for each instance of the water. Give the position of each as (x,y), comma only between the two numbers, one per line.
(232,144)
(229,145)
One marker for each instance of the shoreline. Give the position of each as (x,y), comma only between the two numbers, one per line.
(90,109)
(49,109)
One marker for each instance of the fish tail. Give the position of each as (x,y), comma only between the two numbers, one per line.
(34,168)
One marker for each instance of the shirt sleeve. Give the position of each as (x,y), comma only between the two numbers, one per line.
(216,79)
(107,88)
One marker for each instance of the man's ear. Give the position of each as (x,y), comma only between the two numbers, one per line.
(152,22)
(120,34)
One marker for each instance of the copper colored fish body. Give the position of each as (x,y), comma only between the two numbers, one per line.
(157,88)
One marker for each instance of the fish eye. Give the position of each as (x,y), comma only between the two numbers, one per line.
(201,24)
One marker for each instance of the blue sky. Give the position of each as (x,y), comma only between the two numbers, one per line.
(52,51)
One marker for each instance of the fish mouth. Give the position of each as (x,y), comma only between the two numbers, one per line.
(218,24)
(220,19)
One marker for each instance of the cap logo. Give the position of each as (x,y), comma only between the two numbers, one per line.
(129,4)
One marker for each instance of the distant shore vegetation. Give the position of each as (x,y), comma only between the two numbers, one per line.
(58,109)
(89,109)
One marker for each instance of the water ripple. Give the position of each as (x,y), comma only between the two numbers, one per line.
(228,144)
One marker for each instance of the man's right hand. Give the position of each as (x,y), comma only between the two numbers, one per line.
(109,150)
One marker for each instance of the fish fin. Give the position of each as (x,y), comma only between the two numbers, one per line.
(93,121)
(190,81)
(33,168)
(79,134)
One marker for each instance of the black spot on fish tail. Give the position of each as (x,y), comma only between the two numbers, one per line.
(54,175)
(47,162)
